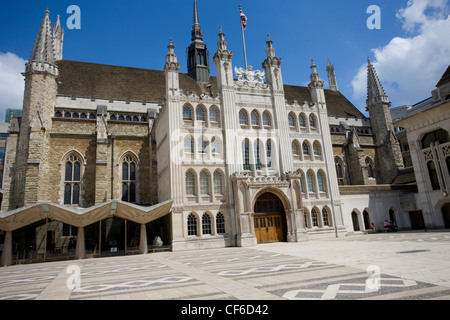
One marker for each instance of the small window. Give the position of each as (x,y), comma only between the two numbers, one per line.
(243,118)
(266,120)
(220,223)
(190,183)
(213,115)
(201,114)
(218,183)
(291,121)
(58,114)
(206,224)
(192,225)
(312,121)
(301,120)
(187,113)
(255,118)
(204,183)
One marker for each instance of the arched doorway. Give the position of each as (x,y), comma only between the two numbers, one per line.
(355,221)
(269,219)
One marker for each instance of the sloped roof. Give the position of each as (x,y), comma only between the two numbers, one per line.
(91,80)
(445,78)
(98,81)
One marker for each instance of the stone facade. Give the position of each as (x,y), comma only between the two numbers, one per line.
(101,139)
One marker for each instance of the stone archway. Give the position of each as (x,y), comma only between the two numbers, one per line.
(269,218)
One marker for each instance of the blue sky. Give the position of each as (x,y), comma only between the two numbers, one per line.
(410,51)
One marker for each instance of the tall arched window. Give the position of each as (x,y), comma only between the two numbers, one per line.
(321,181)
(291,120)
(266,119)
(192,225)
(325,217)
(202,145)
(72,180)
(220,223)
(317,149)
(206,224)
(218,183)
(246,154)
(258,164)
(269,153)
(201,114)
(314,217)
(213,115)
(187,113)
(305,149)
(189,145)
(204,183)
(129,180)
(310,181)
(295,148)
(243,119)
(215,146)
(255,118)
(312,121)
(190,183)
(301,120)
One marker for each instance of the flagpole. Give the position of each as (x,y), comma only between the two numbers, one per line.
(243,38)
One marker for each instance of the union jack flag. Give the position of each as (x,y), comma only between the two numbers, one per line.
(243,18)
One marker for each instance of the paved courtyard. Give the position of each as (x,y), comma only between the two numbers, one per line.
(386,266)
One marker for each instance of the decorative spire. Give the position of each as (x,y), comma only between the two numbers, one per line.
(197,52)
(332,77)
(46,50)
(58,36)
(43,49)
(171,59)
(270,51)
(315,78)
(196,32)
(222,44)
(375,91)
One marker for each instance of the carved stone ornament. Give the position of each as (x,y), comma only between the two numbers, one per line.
(250,75)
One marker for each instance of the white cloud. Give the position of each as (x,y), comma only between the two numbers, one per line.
(11,82)
(410,67)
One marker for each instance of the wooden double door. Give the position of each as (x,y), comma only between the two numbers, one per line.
(270,228)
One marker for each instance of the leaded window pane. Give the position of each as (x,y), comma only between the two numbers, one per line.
(76,194)
(67,193)
(76,171)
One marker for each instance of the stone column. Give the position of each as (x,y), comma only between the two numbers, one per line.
(143,244)
(81,247)
(7,250)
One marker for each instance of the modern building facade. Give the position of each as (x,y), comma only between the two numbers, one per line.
(113,160)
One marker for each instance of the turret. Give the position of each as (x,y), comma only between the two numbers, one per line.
(332,77)
(388,155)
(197,52)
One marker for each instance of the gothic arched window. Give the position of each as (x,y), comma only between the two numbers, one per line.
(190,183)
(72,180)
(192,225)
(220,223)
(129,179)
(310,181)
(187,113)
(206,224)
(204,183)
(246,154)
(218,183)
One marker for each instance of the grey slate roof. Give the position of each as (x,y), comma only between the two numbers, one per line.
(99,81)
